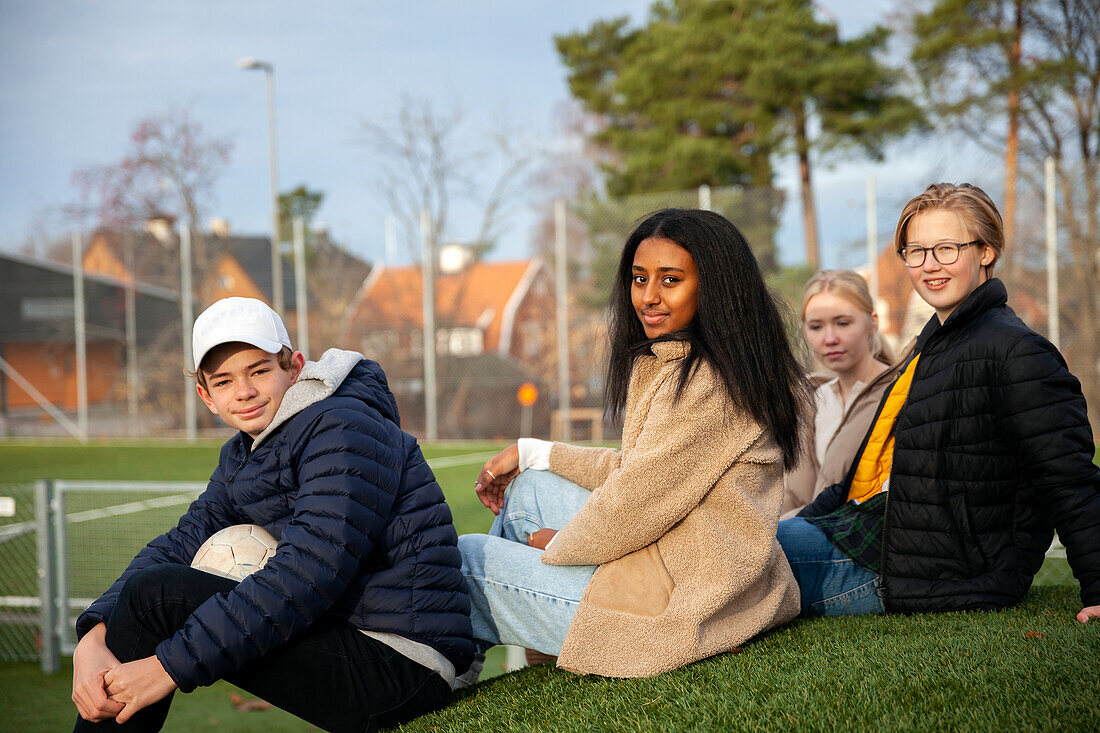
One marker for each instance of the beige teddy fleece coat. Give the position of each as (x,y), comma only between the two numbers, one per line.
(682,524)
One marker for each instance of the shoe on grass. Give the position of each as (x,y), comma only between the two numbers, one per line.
(469,677)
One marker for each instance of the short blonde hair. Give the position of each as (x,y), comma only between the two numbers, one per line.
(851,286)
(968,202)
(285,357)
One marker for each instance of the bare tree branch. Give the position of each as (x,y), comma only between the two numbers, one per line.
(424,162)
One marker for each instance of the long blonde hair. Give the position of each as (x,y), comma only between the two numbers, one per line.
(971,204)
(851,286)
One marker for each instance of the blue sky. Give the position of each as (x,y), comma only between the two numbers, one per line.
(75,74)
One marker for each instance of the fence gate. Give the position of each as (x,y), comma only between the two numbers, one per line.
(80,537)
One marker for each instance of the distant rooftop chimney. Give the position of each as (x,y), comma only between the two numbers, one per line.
(454,258)
(161,228)
(219,227)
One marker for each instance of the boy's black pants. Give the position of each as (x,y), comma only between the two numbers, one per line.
(332,675)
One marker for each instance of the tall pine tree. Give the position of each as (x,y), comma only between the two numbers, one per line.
(968,56)
(711,91)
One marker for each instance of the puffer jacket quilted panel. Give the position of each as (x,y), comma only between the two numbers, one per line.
(365,535)
(993,451)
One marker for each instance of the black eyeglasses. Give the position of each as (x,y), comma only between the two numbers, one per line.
(946,253)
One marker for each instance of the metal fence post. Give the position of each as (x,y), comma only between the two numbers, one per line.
(47,591)
(59,537)
(561,272)
(428,250)
(80,336)
(187,296)
(872,238)
(300,298)
(704,198)
(131,335)
(1052,255)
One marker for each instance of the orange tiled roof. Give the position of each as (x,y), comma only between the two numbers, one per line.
(392,298)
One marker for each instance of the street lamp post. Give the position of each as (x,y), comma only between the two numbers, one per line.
(276,256)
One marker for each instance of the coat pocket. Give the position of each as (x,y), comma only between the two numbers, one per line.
(972,558)
(638,583)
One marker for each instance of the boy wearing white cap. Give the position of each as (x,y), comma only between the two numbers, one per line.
(360,618)
(222,334)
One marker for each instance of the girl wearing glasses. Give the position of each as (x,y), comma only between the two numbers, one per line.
(840,326)
(980,450)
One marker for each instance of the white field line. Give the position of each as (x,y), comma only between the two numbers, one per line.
(130,508)
(461,460)
(75,604)
(15,530)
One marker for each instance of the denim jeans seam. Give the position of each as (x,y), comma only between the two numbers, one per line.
(516,517)
(521,589)
(830,561)
(841,598)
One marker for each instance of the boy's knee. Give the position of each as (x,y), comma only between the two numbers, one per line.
(148,585)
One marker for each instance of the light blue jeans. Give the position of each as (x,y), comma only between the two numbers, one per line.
(514,597)
(832,584)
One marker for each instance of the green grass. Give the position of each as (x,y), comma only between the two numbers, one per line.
(1029,668)
(148,461)
(33,701)
(152,461)
(949,671)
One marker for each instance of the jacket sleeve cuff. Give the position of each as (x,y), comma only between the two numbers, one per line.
(534,453)
(87,621)
(184,684)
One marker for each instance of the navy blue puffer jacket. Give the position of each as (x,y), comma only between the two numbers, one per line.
(364,535)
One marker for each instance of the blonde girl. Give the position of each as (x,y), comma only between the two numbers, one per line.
(840,326)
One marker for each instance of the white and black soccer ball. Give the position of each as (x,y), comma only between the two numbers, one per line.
(235,552)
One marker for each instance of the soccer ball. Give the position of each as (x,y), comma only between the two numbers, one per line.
(235,552)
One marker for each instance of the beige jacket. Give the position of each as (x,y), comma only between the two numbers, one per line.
(809,478)
(682,523)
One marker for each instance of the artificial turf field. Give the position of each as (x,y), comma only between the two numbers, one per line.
(1031,667)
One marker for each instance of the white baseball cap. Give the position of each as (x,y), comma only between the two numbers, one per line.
(247,320)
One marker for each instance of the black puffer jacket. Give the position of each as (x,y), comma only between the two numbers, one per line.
(993,452)
(364,535)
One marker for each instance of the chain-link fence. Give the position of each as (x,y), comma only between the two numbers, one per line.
(65,543)
(20,635)
(62,549)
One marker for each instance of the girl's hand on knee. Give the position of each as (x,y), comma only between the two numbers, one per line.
(91,660)
(540,538)
(138,685)
(495,476)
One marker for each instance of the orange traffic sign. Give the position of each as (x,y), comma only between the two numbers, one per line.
(527,394)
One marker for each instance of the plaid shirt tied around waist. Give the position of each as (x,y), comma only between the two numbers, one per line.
(856,530)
